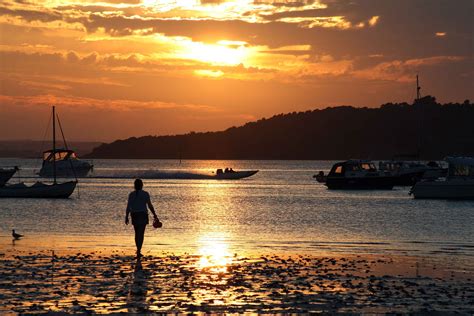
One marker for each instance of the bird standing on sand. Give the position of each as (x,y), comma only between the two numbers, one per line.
(15,235)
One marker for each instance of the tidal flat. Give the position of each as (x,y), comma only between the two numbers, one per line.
(107,283)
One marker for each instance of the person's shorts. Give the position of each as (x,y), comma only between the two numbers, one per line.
(140,218)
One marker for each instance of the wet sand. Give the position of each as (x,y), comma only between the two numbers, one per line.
(114,282)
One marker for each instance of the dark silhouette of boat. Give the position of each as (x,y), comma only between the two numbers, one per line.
(407,173)
(357,175)
(39,189)
(230,174)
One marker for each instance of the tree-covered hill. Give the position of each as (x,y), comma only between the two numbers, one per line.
(425,128)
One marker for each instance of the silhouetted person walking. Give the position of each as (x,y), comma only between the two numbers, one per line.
(138,201)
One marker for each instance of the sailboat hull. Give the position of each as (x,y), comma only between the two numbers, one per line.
(39,190)
(5,175)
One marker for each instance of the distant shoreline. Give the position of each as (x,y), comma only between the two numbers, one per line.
(424,130)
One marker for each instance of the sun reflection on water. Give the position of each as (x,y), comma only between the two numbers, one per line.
(214,252)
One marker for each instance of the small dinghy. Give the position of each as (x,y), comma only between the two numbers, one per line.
(39,189)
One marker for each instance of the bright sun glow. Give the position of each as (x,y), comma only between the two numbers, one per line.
(223,53)
(215,254)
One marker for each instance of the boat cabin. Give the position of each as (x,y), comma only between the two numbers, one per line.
(352,167)
(60,154)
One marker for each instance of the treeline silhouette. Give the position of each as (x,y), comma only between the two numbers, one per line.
(422,130)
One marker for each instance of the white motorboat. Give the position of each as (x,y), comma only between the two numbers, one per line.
(6,174)
(67,164)
(39,189)
(459,183)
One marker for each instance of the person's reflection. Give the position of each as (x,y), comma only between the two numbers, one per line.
(138,290)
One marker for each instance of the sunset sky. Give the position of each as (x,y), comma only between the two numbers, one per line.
(121,68)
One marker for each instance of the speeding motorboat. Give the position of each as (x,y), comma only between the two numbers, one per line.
(410,172)
(6,174)
(230,174)
(458,184)
(357,175)
(67,164)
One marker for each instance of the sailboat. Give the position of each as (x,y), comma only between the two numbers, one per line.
(40,189)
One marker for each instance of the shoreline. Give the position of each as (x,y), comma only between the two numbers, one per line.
(96,282)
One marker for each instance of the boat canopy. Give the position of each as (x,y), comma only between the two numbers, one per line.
(60,154)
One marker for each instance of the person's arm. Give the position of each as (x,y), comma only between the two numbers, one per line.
(127,211)
(150,206)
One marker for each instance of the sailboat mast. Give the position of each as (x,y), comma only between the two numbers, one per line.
(54,144)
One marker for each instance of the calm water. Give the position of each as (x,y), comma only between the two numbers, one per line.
(281,209)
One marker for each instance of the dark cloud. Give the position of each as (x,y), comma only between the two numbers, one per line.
(33,15)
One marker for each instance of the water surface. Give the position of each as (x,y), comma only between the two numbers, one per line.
(281,209)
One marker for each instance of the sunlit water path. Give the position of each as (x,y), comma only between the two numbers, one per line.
(279,210)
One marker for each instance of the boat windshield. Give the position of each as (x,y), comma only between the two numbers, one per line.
(60,155)
(338,170)
(461,171)
(368,166)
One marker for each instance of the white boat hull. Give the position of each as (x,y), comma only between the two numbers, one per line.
(52,191)
(451,189)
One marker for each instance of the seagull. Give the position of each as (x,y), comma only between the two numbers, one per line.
(15,235)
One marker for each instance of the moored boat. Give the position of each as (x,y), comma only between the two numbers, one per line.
(407,173)
(6,174)
(39,189)
(357,175)
(67,164)
(459,183)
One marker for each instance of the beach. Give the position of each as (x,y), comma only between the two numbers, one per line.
(115,282)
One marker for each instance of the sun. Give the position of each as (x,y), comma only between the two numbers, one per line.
(222,53)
